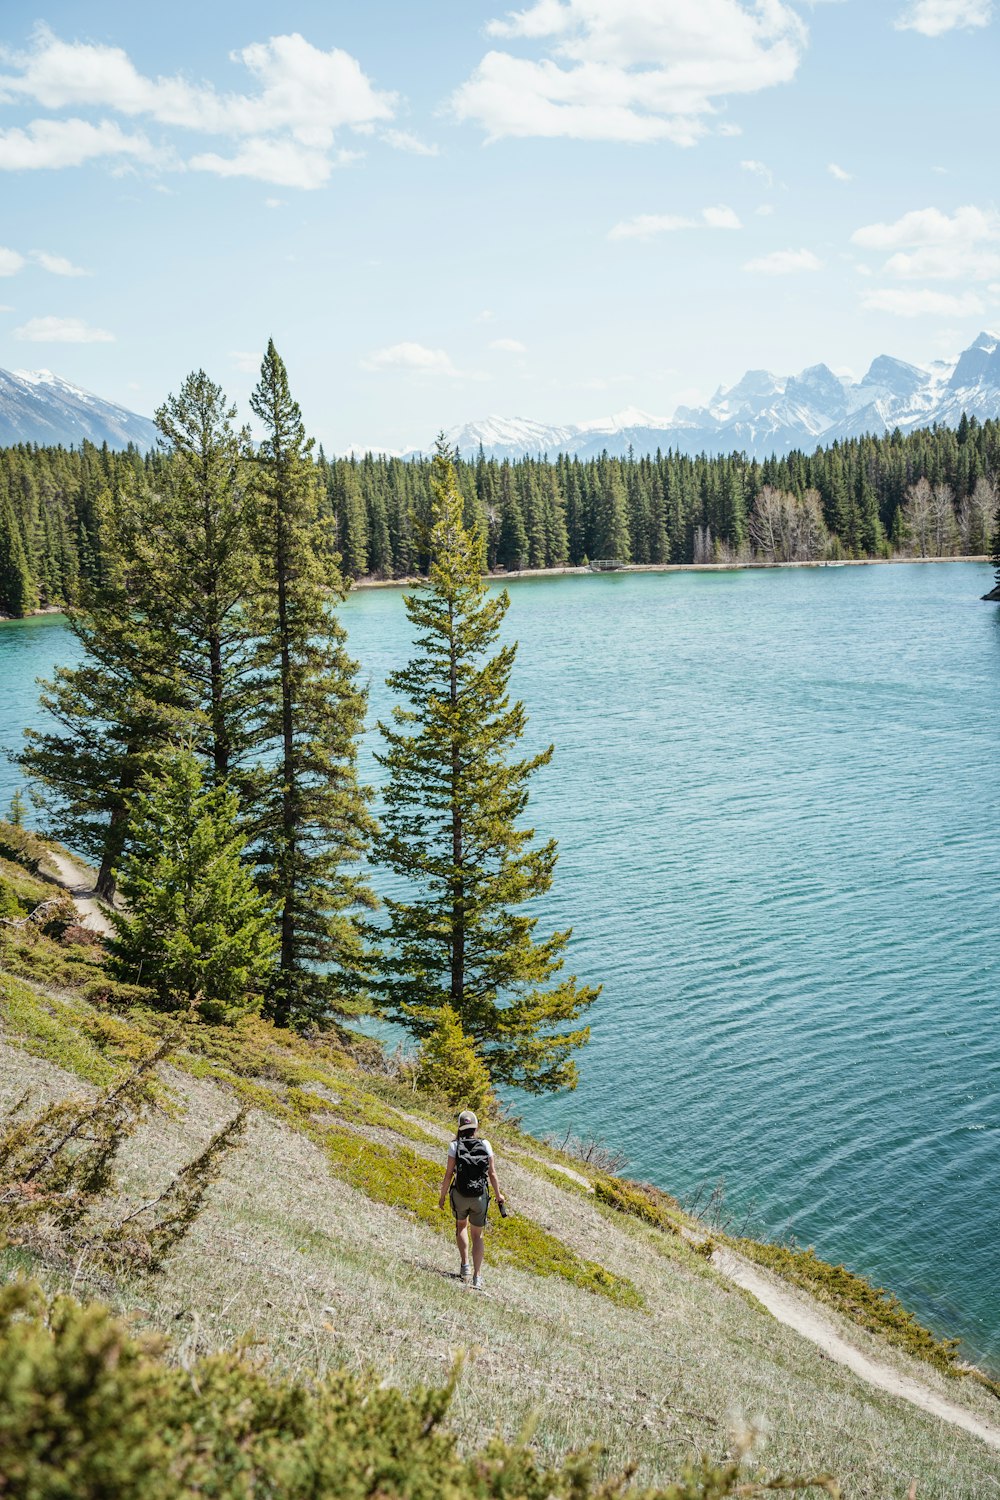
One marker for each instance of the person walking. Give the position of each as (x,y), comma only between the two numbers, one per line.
(468,1177)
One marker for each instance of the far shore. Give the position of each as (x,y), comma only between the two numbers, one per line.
(568,572)
(720,567)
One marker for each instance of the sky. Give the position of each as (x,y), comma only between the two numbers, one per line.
(447,210)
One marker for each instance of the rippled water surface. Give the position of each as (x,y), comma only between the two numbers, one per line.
(777,797)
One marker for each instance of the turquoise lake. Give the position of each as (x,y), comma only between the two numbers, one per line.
(777,799)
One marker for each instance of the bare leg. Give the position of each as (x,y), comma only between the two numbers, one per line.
(477,1249)
(462,1239)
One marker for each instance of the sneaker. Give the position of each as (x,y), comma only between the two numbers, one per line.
(477,1282)
(465,1272)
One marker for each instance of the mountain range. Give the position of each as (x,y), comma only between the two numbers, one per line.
(759,415)
(764,414)
(39,407)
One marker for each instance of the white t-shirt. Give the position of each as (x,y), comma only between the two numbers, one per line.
(489,1148)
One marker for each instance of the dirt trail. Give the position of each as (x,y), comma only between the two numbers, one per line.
(806,1319)
(76,880)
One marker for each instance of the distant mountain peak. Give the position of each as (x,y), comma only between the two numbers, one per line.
(37,406)
(765,413)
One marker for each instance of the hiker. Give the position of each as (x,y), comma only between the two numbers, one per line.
(470,1174)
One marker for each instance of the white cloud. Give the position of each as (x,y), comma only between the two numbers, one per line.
(5,308)
(929,244)
(300,88)
(300,96)
(909,302)
(785,262)
(58,265)
(763,209)
(62,331)
(274,202)
(628,70)
(486,316)
(409,356)
(509,346)
(402,140)
(248,361)
(929,226)
(285,162)
(10,262)
(758,169)
(935,17)
(68,143)
(839,172)
(721,218)
(644,226)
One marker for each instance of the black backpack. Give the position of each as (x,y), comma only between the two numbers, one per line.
(472,1164)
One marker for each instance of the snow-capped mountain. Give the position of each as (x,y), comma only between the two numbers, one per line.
(764,413)
(39,407)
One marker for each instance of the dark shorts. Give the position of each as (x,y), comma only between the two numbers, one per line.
(473,1209)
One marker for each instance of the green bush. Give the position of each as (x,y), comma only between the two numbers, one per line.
(639,1199)
(22,846)
(449,1065)
(89,1412)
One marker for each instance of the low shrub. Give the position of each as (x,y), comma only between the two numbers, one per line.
(88,1411)
(449,1065)
(640,1199)
(22,846)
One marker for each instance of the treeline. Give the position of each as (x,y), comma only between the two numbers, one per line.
(932,492)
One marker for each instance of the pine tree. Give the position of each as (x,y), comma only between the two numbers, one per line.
(110,714)
(165,630)
(613,539)
(314,821)
(453,801)
(18,595)
(185,536)
(194,928)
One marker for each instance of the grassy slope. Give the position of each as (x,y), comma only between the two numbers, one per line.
(323,1240)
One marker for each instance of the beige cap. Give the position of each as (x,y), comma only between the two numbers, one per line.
(466,1118)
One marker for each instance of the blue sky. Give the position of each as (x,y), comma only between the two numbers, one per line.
(440,211)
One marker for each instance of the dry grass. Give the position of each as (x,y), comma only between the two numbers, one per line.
(291,1253)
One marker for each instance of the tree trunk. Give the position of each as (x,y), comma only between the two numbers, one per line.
(458,890)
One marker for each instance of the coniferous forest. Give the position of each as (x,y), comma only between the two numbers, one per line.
(930,493)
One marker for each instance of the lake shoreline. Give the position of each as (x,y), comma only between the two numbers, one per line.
(576,572)
(722,567)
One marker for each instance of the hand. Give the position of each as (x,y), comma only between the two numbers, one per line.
(440,1203)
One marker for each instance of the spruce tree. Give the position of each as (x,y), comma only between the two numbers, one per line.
(194,929)
(166,630)
(18,595)
(454,800)
(184,534)
(313,818)
(107,717)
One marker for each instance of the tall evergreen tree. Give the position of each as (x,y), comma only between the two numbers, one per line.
(110,714)
(18,595)
(314,821)
(185,534)
(165,630)
(454,800)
